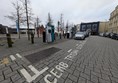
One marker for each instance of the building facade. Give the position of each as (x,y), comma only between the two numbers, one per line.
(40,30)
(113,21)
(93,27)
(104,27)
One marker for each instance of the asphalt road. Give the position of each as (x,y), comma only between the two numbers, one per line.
(94,60)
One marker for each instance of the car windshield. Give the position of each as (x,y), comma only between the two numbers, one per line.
(80,33)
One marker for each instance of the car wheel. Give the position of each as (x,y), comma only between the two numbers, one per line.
(83,38)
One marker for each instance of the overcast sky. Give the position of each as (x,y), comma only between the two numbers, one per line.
(75,11)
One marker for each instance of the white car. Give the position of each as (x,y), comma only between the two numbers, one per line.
(80,35)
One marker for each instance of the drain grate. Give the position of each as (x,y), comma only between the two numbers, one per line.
(33,58)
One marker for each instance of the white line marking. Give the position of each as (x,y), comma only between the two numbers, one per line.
(70,50)
(18,55)
(12,57)
(30,78)
(36,71)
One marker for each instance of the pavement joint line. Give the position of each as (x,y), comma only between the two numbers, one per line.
(12,58)
(30,78)
(18,55)
(70,50)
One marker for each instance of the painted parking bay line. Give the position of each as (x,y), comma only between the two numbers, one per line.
(70,50)
(30,78)
(18,55)
(12,57)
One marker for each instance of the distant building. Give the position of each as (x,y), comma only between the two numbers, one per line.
(14,30)
(2,29)
(40,30)
(113,21)
(78,27)
(104,27)
(94,27)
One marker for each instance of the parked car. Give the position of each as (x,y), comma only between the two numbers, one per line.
(114,36)
(107,34)
(80,35)
(86,34)
(101,34)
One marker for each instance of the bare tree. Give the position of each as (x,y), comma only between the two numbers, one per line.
(17,15)
(23,14)
(37,25)
(28,18)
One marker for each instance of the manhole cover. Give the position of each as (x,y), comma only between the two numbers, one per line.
(33,58)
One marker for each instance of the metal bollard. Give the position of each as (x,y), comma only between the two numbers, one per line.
(60,35)
(32,38)
(9,41)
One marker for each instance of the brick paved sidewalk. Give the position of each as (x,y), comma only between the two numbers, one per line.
(91,61)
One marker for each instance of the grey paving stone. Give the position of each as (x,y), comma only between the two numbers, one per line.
(85,76)
(72,67)
(1,77)
(2,66)
(115,74)
(6,81)
(97,70)
(89,81)
(80,69)
(104,81)
(105,77)
(61,80)
(94,78)
(87,71)
(81,80)
(21,80)
(114,79)
(42,81)
(5,68)
(38,79)
(15,77)
(76,73)
(73,78)
(7,71)
(65,75)
(68,81)
(1,73)
(15,66)
(10,74)
(96,74)
(106,72)
(70,71)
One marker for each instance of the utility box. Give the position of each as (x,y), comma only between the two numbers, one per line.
(50,33)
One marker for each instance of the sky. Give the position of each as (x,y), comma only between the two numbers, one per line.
(74,11)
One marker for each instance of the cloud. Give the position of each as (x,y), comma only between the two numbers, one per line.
(76,11)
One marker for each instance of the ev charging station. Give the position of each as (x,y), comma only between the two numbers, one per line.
(50,33)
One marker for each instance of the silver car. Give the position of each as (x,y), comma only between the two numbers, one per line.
(80,35)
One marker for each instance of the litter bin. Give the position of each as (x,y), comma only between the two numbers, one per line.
(68,35)
(44,36)
(32,38)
